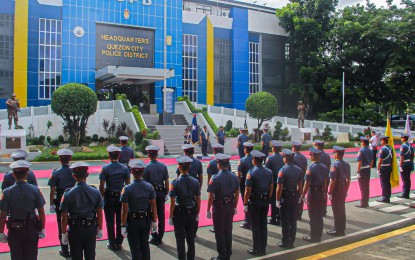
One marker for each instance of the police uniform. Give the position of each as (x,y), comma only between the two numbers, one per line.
(244,166)
(185,189)
(204,136)
(407,152)
(9,180)
(242,138)
(81,203)
(223,185)
(266,138)
(115,175)
(386,154)
(61,179)
(156,174)
(196,168)
(274,162)
(365,156)
(289,177)
(326,161)
(137,195)
(126,153)
(212,167)
(301,161)
(221,137)
(19,203)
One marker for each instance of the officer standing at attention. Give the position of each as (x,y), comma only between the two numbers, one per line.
(289,188)
(326,161)
(338,188)
(220,136)
(212,167)
(223,194)
(127,153)
(9,180)
(113,177)
(81,208)
(157,175)
(406,165)
(61,180)
(301,161)
(244,166)
(138,209)
(275,163)
(19,203)
(204,140)
(265,141)
(184,209)
(242,138)
(258,192)
(196,169)
(315,187)
(385,169)
(364,163)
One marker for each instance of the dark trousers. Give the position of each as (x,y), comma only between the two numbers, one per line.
(385,183)
(242,189)
(221,141)
(112,210)
(222,221)
(315,212)
(325,200)
(137,235)
(258,211)
(364,184)
(184,229)
(160,202)
(241,152)
(23,243)
(265,150)
(288,211)
(406,178)
(374,151)
(204,147)
(275,212)
(338,204)
(300,207)
(65,248)
(82,241)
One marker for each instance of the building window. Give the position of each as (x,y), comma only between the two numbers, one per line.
(50,56)
(254,83)
(190,66)
(6,54)
(223,71)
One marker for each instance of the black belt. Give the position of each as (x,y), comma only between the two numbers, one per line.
(112,193)
(20,224)
(82,222)
(137,215)
(186,209)
(340,186)
(317,188)
(289,193)
(159,188)
(261,196)
(225,200)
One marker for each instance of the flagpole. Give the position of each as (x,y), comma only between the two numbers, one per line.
(343,93)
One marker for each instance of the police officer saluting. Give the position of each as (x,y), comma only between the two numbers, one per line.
(289,188)
(406,165)
(157,175)
(338,187)
(385,169)
(9,179)
(126,153)
(61,180)
(137,198)
(301,161)
(184,209)
(315,187)
(242,138)
(114,176)
(326,161)
(364,163)
(258,191)
(19,203)
(244,166)
(81,208)
(223,194)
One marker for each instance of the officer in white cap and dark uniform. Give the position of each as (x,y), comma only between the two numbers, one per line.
(81,208)
(113,177)
(242,138)
(406,165)
(19,202)
(385,169)
(139,212)
(126,153)
(60,180)
(326,160)
(196,169)
(9,180)
(364,163)
(301,161)
(244,166)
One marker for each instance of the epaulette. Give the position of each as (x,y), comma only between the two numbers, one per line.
(68,189)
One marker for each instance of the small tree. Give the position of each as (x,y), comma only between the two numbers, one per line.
(262,106)
(75,103)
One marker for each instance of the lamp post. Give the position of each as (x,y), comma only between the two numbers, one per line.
(343,94)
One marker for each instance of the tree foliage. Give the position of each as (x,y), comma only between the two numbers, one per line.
(262,106)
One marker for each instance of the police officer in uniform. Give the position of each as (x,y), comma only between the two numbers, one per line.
(184,209)
(265,141)
(9,180)
(258,192)
(223,194)
(157,175)
(138,209)
(301,161)
(244,166)
(126,153)
(61,180)
(406,165)
(196,169)
(81,208)
(19,203)
(220,136)
(364,163)
(275,163)
(313,194)
(204,140)
(289,188)
(242,138)
(326,161)
(338,188)
(113,177)
(385,169)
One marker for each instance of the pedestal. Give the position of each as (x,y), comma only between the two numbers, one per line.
(12,140)
(301,134)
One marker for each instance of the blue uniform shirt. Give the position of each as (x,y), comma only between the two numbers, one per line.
(259,178)
(317,174)
(220,134)
(245,164)
(406,151)
(196,168)
(21,200)
(325,159)
(242,138)
(62,178)
(212,167)
(126,154)
(301,161)
(137,195)
(9,180)
(81,201)
(289,176)
(340,170)
(385,153)
(185,189)
(223,184)
(266,138)
(204,135)
(275,162)
(156,173)
(365,155)
(114,174)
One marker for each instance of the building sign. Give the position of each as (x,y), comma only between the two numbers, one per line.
(14,143)
(145,2)
(169,100)
(118,45)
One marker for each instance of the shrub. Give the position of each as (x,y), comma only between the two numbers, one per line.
(233,132)
(138,138)
(327,135)
(262,106)
(277,135)
(144,144)
(42,140)
(139,119)
(95,137)
(285,134)
(228,126)
(156,135)
(49,139)
(61,139)
(101,139)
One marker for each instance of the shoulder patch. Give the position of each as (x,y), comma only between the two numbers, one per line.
(239,163)
(171,187)
(248,176)
(102,169)
(211,181)
(280,174)
(50,177)
(2,196)
(333,169)
(123,190)
(308,172)
(63,198)
(359,153)
(208,165)
(267,160)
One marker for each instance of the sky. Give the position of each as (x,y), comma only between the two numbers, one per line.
(342,3)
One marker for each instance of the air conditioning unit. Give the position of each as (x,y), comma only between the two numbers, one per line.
(225,13)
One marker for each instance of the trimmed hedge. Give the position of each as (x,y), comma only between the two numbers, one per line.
(139,119)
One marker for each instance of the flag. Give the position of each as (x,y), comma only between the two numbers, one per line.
(195,130)
(394,180)
(246,125)
(408,129)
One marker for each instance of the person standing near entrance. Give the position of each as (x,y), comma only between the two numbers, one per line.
(364,163)
(220,136)
(374,147)
(242,138)
(385,169)
(406,165)
(187,136)
(204,140)
(126,153)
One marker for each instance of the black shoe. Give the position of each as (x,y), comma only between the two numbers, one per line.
(299,218)
(212,230)
(64,253)
(286,246)
(272,222)
(384,201)
(245,226)
(112,247)
(255,252)
(335,233)
(119,247)
(310,239)
(362,206)
(154,242)
(403,197)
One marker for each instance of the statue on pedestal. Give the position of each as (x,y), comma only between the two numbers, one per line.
(13,107)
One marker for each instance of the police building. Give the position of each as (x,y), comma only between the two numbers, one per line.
(216,52)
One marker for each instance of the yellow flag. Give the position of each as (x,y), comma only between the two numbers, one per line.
(395,174)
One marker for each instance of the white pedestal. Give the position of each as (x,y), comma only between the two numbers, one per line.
(12,140)
(230,146)
(301,134)
(343,138)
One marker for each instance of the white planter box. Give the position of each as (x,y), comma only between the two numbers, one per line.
(231,146)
